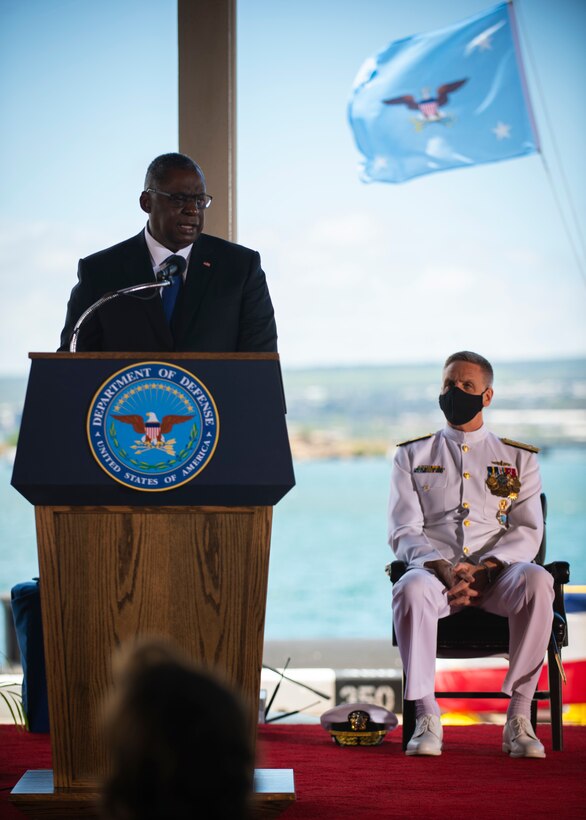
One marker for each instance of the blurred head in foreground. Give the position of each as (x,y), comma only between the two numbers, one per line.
(177,740)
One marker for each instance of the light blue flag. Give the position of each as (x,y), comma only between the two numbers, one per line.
(447,99)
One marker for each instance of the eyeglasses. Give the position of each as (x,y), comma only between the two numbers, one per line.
(201,201)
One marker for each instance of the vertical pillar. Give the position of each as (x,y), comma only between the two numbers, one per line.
(207,102)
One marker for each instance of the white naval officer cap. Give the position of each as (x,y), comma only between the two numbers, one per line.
(358,724)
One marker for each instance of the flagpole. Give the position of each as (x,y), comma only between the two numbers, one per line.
(579,259)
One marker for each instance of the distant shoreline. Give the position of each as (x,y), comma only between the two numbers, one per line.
(318,446)
(363,411)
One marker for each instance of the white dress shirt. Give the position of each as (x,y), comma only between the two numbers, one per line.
(159,253)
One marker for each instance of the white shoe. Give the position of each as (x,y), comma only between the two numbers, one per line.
(519,739)
(427,737)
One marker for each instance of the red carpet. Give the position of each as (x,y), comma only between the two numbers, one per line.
(472,779)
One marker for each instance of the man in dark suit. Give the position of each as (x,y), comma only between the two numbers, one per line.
(223,303)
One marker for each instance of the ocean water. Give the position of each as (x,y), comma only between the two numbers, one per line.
(329,548)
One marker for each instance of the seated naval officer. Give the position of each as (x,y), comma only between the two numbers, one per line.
(221,304)
(465,515)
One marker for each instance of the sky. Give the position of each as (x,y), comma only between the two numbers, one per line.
(359,273)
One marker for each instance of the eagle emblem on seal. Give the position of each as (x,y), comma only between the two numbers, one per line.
(151,430)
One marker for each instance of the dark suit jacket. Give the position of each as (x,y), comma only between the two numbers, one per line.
(223,307)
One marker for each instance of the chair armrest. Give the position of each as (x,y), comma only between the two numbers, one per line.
(395,570)
(560,571)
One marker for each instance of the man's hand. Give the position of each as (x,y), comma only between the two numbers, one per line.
(473,580)
(478,578)
(444,571)
(457,584)
(463,582)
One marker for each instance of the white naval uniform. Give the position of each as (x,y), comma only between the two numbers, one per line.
(441,507)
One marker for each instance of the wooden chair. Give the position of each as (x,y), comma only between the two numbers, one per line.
(473,633)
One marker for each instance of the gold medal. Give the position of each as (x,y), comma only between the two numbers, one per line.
(503,482)
(502,515)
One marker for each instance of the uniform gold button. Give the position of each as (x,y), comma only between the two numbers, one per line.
(466,551)
(426,488)
(465,448)
(466,505)
(467,523)
(466,475)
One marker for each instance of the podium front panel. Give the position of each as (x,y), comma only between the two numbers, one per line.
(251,464)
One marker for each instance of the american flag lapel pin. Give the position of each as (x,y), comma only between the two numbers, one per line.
(207,264)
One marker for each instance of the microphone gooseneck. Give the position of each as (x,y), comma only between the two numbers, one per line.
(172,266)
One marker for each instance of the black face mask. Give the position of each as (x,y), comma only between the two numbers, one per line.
(460,407)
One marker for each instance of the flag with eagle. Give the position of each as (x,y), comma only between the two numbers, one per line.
(446,99)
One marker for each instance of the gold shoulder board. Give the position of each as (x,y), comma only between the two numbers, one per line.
(520,445)
(411,441)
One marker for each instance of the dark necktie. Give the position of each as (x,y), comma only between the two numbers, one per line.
(170,294)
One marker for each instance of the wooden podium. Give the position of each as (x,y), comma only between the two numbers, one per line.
(190,563)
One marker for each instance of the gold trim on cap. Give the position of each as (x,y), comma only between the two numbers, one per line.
(358,738)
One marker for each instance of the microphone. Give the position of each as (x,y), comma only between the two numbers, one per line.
(172,266)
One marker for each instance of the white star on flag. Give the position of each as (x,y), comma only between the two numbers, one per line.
(483,42)
(502,131)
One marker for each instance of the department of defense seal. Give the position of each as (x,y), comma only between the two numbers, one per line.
(153,426)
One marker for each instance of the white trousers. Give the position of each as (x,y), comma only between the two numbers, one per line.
(522,592)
